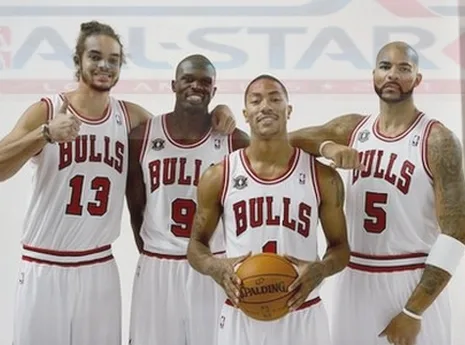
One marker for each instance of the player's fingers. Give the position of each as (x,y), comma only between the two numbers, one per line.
(292,259)
(295,284)
(232,291)
(240,259)
(296,301)
(64,106)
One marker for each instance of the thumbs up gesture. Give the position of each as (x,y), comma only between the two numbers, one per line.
(65,126)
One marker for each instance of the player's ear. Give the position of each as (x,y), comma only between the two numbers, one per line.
(173,86)
(246,115)
(76,60)
(418,79)
(214,91)
(289,111)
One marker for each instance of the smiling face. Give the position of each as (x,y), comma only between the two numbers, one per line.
(194,85)
(396,73)
(100,63)
(266,108)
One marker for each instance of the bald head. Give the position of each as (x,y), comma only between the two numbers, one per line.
(398,48)
(195,62)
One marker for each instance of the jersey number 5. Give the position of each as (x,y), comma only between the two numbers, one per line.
(98,207)
(182,214)
(376,215)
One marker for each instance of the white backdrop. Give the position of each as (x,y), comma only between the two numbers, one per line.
(322,49)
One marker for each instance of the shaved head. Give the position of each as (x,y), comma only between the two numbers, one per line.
(195,62)
(400,47)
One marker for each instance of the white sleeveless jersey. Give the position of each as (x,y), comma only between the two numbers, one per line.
(279,216)
(79,187)
(171,174)
(390,206)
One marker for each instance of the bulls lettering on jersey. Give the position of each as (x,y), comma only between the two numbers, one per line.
(390,204)
(171,174)
(279,216)
(79,186)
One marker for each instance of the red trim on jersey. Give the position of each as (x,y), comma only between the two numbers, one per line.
(171,257)
(145,141)
(292,164)
(304,305)
(230,143)
(127,119)
(387,263)
(424,148)
(178,144)
(67,264)
(315,181)
(354,132)
(84,118)
(75,253)
(399,136)
(49,104)
(225,187)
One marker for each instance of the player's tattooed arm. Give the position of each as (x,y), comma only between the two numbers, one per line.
(135,187)
(338,130)
(207,216)
(333,220)
(137,114)
(445,162)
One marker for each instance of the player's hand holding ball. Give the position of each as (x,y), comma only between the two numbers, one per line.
(64,127)
(311,274)
(225,275)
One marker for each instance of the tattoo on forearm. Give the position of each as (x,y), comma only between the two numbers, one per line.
(433,280)
(339,187)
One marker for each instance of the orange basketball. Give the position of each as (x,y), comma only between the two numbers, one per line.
(265,280)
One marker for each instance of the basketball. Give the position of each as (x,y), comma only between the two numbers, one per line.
(265,280)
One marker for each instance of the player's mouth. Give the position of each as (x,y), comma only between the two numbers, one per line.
(391,87)
(195,98)
(267,118)
(103,77)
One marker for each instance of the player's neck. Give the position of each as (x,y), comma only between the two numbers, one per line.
(276,150)
(88,102)
(398,116)
(188,125)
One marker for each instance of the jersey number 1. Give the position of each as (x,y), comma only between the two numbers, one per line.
(376,215)
(98,207)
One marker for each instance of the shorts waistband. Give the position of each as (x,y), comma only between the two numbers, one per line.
(67,258)
(305,305)
(171,257)
(387,263)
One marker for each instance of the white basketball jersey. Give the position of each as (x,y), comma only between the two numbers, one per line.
(390,205)
(171,174)
(279,216)
(79,187)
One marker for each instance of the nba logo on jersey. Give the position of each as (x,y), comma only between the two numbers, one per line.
(302,178)
(118,119)
(158,144)
(240,182)
(217,144)
(363,136)
(415,140)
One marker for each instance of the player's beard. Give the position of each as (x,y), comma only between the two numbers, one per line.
(88,81)
(402,97)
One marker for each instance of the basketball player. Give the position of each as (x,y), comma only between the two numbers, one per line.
(173,304)
(405,210)
(69,290)
(292,191)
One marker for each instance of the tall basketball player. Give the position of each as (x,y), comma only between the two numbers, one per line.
(271,197)
(173,304)
(69,290)
(405,210)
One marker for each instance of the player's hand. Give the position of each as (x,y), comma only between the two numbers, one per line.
(64,126)
(225,276)
(342,157)
(402,330)
(223,119)
(311,274)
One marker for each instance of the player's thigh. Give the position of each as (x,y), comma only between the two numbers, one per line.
(97,314)
(158,309)
(205,299)
(43,305)
(235,328)
(300,326)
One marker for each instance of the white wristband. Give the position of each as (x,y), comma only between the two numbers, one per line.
(412,315)
(323,144)
(446,253)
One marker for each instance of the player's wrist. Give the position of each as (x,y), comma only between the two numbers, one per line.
(324,145)
(45,133)
(414,315)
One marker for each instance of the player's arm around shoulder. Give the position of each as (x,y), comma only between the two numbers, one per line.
(444,158)
(137,114)
(333,220)
(240,139)
(207,216)
(330,140)
(136,198)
